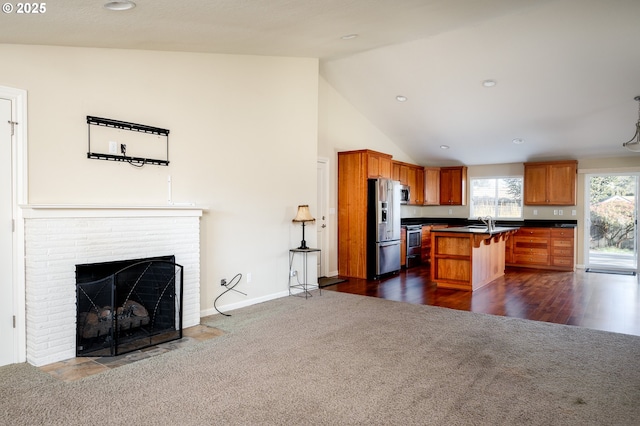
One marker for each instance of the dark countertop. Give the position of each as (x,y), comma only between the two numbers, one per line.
(505,223)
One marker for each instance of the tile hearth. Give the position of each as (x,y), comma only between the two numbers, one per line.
(81,367)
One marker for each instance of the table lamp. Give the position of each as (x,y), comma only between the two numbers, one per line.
(303,216)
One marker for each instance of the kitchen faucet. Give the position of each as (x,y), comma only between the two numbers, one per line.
(487,221)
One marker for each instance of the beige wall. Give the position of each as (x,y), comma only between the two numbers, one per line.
(243,144)
(342,128)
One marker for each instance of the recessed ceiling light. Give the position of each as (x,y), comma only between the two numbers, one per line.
(401,98)
(119,5)
(444,146)
(489,83)
(349,36)
(518,141)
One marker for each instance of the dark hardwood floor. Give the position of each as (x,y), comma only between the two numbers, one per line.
(593,300)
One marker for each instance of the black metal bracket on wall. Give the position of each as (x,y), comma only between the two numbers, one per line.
(123,125)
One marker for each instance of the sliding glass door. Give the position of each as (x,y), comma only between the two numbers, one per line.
(612,219)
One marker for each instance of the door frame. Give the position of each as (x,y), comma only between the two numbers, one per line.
(323,200)
(19,160)
(587,215)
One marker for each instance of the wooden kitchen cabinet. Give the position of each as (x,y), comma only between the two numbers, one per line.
(531,246)
(563,247)
(431,186)
(412,176)
(354,169)
(417,186)
(551,183)
(395,171)
(425,253)
(543,248)
(453,186)
(379,165)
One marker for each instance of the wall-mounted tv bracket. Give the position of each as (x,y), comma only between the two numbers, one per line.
(123,125)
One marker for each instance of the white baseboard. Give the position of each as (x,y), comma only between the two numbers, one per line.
(244,303)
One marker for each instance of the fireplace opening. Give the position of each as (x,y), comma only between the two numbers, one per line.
(127,305)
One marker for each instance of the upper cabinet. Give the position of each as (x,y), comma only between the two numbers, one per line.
(453,186)
(416,185)
(379,165)
(431,186)
(551,183)
(412,176)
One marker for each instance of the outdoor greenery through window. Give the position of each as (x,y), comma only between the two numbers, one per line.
(500,198)
(612,201)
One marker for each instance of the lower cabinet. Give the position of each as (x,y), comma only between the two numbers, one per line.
(562,247)
(426,241)
(425,253)
(544,248)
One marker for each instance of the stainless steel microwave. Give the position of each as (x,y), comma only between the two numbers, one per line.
(405,194)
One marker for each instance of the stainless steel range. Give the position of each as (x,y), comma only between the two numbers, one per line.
(414,245)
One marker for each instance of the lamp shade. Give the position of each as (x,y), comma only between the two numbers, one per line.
(304,215)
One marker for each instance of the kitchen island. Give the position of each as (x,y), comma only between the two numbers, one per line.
(468,257)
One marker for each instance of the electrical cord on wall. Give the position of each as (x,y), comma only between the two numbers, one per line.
(229,286)
(123,150)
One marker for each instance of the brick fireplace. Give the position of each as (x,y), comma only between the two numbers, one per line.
(59,238)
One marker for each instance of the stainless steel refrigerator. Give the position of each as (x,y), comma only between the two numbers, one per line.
(383,227)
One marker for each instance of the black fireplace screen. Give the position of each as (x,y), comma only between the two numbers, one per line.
(127,305)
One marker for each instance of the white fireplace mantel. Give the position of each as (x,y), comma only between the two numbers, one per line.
(39,211)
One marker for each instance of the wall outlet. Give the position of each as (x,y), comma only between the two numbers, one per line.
(535,212)
(573,212)
(555,212)
(560,212)
(113,147)
(450,211)
(248,277)
(223,282)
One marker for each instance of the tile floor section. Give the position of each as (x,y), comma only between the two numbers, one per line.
(80,367)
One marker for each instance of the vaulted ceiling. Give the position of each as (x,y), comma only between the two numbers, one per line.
(565,71)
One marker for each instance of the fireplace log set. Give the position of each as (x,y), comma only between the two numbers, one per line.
(98,322)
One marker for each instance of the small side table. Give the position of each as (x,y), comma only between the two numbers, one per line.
(304,286)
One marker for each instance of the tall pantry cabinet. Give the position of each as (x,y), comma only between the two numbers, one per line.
(354,168)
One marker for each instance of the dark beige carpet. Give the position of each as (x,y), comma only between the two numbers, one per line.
(345,359)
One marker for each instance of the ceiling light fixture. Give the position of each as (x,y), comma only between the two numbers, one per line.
(349,36)
(444,146)
(401,98)
(518,141)
(634,143)
(119,5)
(489,83)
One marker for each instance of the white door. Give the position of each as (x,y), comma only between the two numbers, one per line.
(321,220)
(7,331)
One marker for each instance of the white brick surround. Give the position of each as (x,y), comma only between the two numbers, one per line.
(58,238)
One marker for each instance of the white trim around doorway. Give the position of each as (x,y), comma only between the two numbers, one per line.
(18,98)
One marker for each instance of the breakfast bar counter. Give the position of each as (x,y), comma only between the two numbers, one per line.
(468,257)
